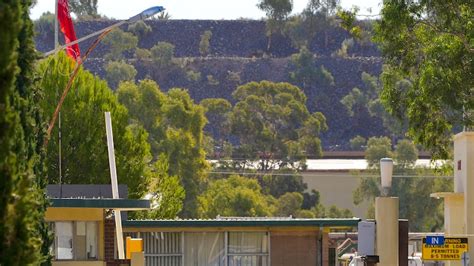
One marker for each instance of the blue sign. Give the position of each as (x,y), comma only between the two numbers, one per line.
(435,240)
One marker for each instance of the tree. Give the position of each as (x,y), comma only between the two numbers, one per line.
(277,185)
(163,16)
(274,126)
(289,204)
(413,190)
(277,11)
(117,71)
(205,42)
(377,148)
(332,212)
(431,45)
(218,113)
(234,196)
(44,26)
(306,72)
(211,80)
(192,75)
(120,42)
(310,199)
(320,14)
(162,55)
(335,212)
(139,28)
(84,9)
(24,237)
(167,194)
(317,16)
(296,30)
(142,54)
(175,125)
(345,46)
(305,214)
(361,103)
(233,76)
(355,102)
(358,143)
(84,149)
(407,154)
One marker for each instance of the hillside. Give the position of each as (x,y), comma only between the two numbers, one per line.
(238,48)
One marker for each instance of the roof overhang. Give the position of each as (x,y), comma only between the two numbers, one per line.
(116,204)
(447,195)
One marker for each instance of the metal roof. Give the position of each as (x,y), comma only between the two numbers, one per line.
(244,222)
(56,191)
(118,204)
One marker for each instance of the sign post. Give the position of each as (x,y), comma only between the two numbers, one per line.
(465,259)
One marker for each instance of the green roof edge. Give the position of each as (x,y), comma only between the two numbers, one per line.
(243,223)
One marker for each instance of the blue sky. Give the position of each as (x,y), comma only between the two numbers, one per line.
(192,9)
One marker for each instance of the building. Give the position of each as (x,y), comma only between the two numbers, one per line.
(79,227)
(237,241)
(84,234)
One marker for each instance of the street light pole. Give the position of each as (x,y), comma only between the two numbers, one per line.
(386,217)
(102,33)
(141,16)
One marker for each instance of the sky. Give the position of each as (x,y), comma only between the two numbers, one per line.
(193,9)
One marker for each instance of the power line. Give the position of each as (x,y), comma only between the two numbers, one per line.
(306,174)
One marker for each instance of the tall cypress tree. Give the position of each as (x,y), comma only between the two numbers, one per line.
(22,202)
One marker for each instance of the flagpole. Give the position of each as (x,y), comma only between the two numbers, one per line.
(102,33)
(56,45)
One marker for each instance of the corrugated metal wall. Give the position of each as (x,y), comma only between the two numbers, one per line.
(205,248)
(163,248)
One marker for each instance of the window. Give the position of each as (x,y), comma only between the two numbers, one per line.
(205,248)
(64,240)
(75,240)
(248,249)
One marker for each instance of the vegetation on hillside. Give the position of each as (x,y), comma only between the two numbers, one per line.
(262,134)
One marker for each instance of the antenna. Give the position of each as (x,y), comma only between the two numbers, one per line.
(60,161)
(56,45)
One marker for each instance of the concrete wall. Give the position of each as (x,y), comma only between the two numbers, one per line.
(336,188)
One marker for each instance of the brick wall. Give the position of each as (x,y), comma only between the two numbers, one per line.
(109,245)
(325,248)
(294,248)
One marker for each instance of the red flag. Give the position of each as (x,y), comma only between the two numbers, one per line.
(67,28)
